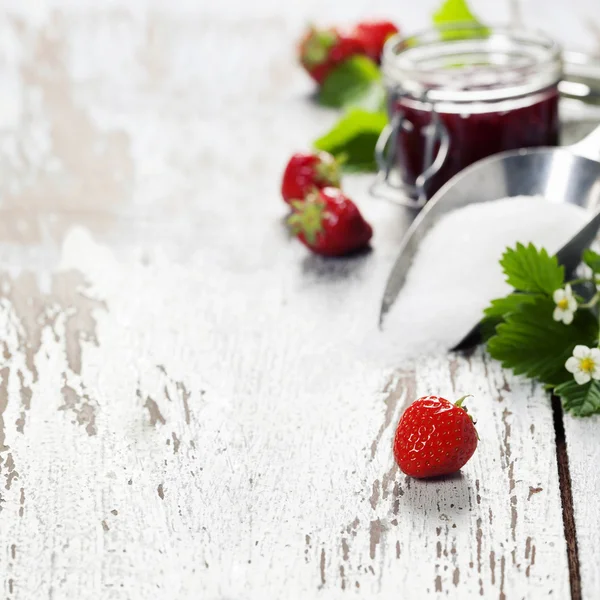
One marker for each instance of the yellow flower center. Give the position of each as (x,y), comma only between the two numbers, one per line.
(563,304)
(587,365)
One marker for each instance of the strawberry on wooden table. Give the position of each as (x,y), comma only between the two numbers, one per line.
(434,437)
(329,223)
(373,35)
(321,50)
(306,171)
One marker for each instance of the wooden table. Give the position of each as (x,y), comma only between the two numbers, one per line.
(188,407)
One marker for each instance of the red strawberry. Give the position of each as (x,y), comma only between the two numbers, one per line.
(321,50)
(434,437)
(373,35)
(305,172)
(329,223)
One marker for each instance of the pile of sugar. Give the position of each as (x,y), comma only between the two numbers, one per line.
(456,272)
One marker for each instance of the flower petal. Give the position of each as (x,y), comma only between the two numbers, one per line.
(568,291)
(567,317)
(572,365)
(595,355)
(558,296)
(596,372)
(581,351)
(582,377)
(572,304)
(557,314)
(585,272)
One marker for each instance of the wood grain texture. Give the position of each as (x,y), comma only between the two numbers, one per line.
(190,404)
(475,534)
(188,456)
(581,437)
(566,496)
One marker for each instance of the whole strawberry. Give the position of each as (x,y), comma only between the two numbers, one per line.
(329,223)
(321,50)
(373,35)
(306,171)
(434,437)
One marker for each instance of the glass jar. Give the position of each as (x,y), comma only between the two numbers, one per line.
(458,94)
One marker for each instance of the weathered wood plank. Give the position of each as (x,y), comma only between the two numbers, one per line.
(186,408)
(494,531)
(581,436)
(181,440)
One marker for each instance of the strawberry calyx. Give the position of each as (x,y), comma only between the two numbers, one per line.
(328,171)
(308,217)
(459,404)
(317,46)
(460,401)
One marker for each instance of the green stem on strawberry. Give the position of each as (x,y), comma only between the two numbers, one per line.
(318,45)
(329,172)
(308,217)
(460,402)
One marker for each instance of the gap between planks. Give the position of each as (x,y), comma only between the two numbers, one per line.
(564,479)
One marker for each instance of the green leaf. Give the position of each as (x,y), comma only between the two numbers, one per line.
(580,400)
(372,100)
(454,11)
(531,343)
(457,11)
(504,306)
(354,136)
(487,327)
(531,270)
(350,82)
(499,309)
(592,260)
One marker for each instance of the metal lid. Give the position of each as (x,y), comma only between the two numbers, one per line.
(471,63)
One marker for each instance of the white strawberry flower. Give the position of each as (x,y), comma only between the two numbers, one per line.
(584,364)
(566,305)
(585,272)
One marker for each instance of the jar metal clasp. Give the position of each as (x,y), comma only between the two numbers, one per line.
(388,153)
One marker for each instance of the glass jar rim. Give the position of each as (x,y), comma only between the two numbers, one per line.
(521,61)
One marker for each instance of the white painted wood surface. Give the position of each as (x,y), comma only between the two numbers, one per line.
(189,403)
(584,457)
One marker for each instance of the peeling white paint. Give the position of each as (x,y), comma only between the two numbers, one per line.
(190,411)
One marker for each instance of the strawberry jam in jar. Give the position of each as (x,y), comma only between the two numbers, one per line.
(459,94)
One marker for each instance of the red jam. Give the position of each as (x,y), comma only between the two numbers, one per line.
(519,123)
(472,90)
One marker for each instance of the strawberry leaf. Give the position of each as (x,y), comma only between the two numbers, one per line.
(457,11)
(580,400)
(531,270)
(501,307)
(592,260)
(531,343)
(454,11)
(352,83)
(354,137)
(373,99)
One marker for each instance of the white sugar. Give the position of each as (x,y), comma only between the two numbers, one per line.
(456,272)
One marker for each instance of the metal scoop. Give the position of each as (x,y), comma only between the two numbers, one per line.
(568,174)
